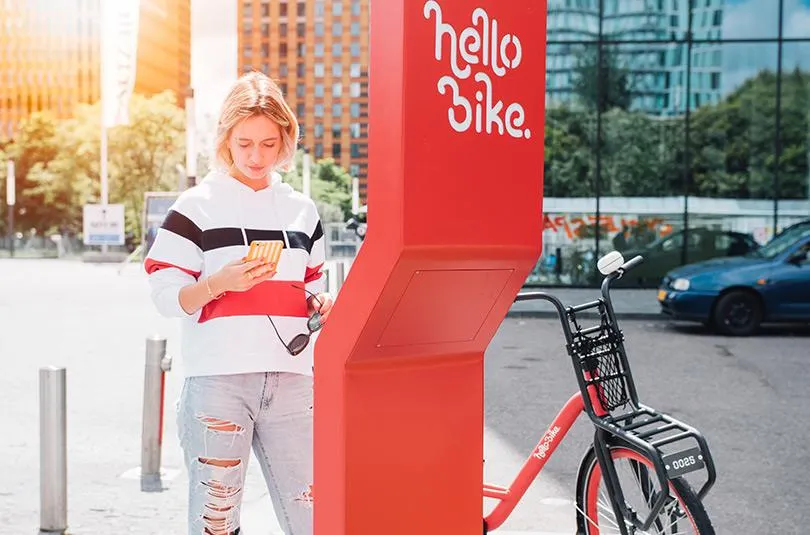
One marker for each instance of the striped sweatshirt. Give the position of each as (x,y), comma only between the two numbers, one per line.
(207,227)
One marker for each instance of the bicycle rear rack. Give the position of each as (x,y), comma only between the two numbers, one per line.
(611,402)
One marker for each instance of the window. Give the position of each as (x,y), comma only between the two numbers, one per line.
(299,109)
(354,169)
(319,70)
(319,29)
(318,130)
(302,49)
(282,29)
(283,70)
(337,8)
(355,130)
(354,89)
(355,70)
(302,9)
(319,150)
(319,90)
(301,28)
(265,29)
(337,89)
(337,29)
(355,150)
(300,90)
(337,110)
(266,10)
(319,9)
(354,109)
(336,131)
(355,28)
(283,87)
(336,150)
(337,69)
(355,48)
(356,8)
(300,70)
(265,50)
(318,50)
(318,110)
(337,50)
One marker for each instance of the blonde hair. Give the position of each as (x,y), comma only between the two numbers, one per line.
(253,94)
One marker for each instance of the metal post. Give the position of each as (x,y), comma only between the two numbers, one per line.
(154,383)
(11,200)
(52,450)
(341,275)
(191,140)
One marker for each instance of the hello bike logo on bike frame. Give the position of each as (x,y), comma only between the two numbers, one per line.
(481,52)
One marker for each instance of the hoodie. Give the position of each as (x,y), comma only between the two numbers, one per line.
(207,227)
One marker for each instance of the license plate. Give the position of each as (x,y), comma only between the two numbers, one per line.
(683,462)
(662,294)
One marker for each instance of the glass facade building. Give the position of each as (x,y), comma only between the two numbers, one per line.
(676,129)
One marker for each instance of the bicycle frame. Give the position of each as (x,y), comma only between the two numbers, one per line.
(510,496)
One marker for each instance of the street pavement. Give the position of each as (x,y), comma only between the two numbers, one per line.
(93,320)
(749,396)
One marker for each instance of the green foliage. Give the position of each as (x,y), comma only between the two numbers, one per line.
(732,147)
(602,89)
(330,187)
(58,162)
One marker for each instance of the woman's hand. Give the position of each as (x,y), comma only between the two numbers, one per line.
(241,275)
(321,303)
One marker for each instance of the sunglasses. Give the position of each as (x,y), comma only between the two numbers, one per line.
(301,341)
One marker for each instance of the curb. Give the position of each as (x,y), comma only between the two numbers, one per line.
(550,314)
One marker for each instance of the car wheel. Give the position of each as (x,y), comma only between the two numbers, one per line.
(737,313)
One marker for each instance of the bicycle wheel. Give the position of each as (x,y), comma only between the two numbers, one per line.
(682,514)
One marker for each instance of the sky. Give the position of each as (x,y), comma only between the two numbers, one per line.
(744,19)
(213,59)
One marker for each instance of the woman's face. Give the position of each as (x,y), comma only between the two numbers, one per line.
(255,144)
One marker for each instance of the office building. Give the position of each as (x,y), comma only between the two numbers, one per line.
(647,40)
(50,55)
(318,52)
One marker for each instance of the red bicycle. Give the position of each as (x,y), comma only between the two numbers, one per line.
(630,481)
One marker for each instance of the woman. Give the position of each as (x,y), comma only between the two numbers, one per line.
(247,357)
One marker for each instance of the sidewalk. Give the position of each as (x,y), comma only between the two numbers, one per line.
(628,303)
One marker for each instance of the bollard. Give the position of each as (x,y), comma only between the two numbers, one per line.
(341,274)
(52,450)
(154,386)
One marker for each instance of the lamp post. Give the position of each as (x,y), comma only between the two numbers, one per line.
(11,200)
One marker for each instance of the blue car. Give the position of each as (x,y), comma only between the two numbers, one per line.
(735,295)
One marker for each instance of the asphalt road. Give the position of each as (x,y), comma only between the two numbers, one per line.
(747,395)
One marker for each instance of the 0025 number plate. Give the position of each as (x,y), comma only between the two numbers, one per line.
(683,462)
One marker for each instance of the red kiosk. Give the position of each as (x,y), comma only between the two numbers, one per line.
(455,211)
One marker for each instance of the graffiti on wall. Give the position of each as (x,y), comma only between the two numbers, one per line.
(580,227)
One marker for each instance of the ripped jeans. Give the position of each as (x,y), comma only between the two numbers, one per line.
(219,419)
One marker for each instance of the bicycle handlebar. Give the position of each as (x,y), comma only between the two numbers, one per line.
(630,264)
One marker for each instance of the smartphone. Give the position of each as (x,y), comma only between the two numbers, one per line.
(270,250)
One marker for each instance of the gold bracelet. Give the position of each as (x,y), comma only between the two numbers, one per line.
(210,293)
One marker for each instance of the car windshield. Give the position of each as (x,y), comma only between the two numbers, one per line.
(780,243)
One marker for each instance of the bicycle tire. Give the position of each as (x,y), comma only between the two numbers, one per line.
(589,483)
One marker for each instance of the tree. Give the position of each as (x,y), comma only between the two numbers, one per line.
(733,143)
(641,155)
(330,187)
(35,143)
(605,88)
(141,157)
